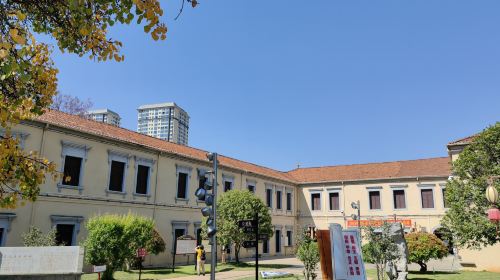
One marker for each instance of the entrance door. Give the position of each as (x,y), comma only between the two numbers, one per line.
(64,234)
(278,241)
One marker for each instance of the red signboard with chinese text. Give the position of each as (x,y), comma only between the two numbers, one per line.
(376,223)
(141,252)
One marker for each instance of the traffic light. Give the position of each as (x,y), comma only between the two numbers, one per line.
(202,193)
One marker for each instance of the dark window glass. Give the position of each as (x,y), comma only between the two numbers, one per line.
(116,176)
(427,198)
(142,179)
(64,234)
(374,200)
(399,199)
(278,200)
(198,236)
(251,188)
(334,201)
(182,185)
(227,186)
(72,166)
(178,232)
(269,197)
(1,235)
(445,204)
(289,237)
(265,247)
(289,201)
(316,201)
(278,240)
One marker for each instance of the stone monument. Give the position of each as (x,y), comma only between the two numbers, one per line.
(398,268)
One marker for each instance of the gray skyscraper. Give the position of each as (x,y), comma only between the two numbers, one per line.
(105,116)
(166,121)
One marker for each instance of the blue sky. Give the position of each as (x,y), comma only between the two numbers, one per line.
(324,82)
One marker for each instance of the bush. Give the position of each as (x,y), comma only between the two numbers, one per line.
(114,239)
(308,254)
(424,246)
(36,238)
(380,248)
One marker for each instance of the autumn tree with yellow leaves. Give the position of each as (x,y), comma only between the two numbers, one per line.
(28,76)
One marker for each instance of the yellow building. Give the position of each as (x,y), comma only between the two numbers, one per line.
(115,170)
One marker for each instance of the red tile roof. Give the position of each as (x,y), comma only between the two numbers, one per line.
(398,169)
(463,141)
(432,167)
(80,124)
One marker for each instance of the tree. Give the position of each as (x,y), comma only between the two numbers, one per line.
(71,104)
(114,239)
(36,238)
(380,248)
(29,77)
(424,246)
(466,217)
(308,254)
(236,205)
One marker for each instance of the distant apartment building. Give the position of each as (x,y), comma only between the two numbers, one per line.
(166,121)
(105,116)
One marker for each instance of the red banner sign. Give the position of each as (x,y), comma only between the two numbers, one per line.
(376,223)
(141,252)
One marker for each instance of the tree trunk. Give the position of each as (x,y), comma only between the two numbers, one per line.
(423,266)
(108,274)
(237,253)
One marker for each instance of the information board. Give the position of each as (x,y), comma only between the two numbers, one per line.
(185,246)
(347,262)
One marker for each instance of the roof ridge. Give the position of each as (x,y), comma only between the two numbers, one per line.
(369,163)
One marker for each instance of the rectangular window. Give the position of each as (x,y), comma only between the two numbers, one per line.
(374,197)
(334,201)
(228,185)
(251,188)
(445,205)
(315,201)
(278,241)
(289,201)
(72,168)
(427,196)
(64,234)
(142,179)
(265,247)
(278,199)
(269,197)
(116,176)
(289,237)
(181,185)
(398,197)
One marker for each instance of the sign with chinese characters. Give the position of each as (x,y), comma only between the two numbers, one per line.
(186,246)
(99,268)
(141,252)
(347,263)
(247,223)
(376,223)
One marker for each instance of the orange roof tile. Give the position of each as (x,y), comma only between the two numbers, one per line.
(432,167)
(77,123)
(463,141)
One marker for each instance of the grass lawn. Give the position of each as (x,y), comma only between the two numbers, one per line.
(185,270)
(463,275)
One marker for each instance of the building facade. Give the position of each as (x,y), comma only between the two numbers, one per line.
(166,121)
(105,116)
(114,170)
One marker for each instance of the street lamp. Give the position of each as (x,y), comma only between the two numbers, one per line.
(356,205)
(492,196)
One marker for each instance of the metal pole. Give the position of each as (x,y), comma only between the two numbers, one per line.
(257,246)
(214,211)
(175,251)
(359,217)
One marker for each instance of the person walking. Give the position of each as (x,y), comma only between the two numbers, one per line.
(200,260)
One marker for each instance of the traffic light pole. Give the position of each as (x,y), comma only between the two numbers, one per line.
(257,246)
(214,209)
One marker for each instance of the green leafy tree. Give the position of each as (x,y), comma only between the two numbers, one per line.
(465,192)
(308,254)
(424,246)
(36,238)
(380,248)
(114,239)
(28,75)
(236,205)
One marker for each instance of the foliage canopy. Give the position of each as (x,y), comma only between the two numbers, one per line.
(424,246)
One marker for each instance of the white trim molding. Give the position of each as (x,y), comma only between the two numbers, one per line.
(68,220)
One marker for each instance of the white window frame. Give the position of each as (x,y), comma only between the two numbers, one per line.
(280,228)
(252,183)
(145,162)
(289,229)
(281,190)
(316,191)
(427,187)
(289,191)
(68,220)
(443,188)
(74,150)
(227,178)
(178,225)
(186,170)
(374,189)
(335,190)
(5,223)
(399,188)
(120,157)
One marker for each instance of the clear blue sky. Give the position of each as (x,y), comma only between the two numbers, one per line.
(322,82)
